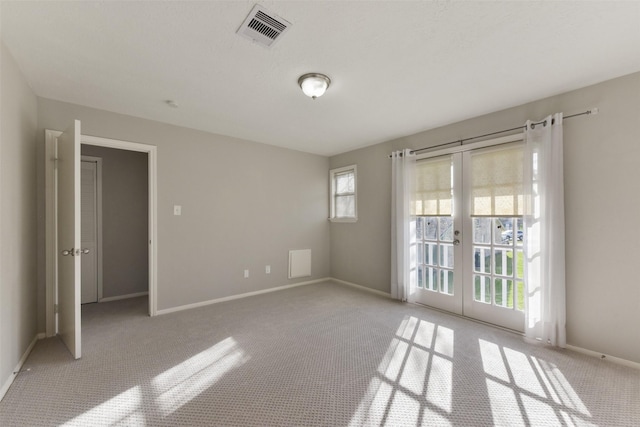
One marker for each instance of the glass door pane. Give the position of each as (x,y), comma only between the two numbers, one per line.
(435,254)
(498,261)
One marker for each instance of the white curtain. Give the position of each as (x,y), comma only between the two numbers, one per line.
(402,225)
(545,306)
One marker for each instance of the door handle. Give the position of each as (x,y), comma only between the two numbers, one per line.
(75,252)
(456,242)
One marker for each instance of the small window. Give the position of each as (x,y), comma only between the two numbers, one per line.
(344,206)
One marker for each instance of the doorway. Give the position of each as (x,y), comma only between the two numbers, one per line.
(469,234)
(123,243)
(91,228)
(51,221)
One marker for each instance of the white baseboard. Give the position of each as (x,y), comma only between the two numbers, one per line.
(605,357)
(119,297)
(16,370)
(364,288)
(232,297)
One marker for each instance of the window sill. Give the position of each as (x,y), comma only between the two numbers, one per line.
(343,219)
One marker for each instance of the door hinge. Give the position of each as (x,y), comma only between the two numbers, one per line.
(55,308)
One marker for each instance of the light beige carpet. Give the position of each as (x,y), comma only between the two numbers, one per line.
(317,355)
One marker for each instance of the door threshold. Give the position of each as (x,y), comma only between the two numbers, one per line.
(462,316)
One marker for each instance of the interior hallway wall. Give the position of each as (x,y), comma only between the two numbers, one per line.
(602,208)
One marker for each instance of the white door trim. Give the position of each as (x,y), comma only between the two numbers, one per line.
(98,162)
(50,219)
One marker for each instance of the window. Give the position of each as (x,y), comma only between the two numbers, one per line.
(344,206)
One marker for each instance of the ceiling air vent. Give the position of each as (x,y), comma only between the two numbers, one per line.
(263,27)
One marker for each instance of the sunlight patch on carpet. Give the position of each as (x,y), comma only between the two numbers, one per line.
(121,409)
(414,380)
(525,390)
(184,382)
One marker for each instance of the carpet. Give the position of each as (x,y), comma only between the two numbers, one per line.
(317,355)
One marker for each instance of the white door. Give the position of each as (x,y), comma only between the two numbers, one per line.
(89,231)
(68,195)
(469,235)
(493,247)
(438,233)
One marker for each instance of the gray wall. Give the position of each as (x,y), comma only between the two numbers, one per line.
(244,205)
(17,215)
(125,223)
(602,158)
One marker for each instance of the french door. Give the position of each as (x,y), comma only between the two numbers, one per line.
(469,235)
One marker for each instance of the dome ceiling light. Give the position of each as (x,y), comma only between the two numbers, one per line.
(314,84)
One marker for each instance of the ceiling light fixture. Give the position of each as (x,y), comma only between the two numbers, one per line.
(314,84)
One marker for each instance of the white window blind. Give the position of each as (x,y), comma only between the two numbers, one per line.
(343,193)
(496,182)
(434,187)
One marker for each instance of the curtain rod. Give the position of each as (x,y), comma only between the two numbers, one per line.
(462,141)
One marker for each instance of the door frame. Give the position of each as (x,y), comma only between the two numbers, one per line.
(51,207)
(464,205)
(98,162)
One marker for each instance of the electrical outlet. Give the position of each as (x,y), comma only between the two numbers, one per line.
(246,274)
(177,210)
(267,269)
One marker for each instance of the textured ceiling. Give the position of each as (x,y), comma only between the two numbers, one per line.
(397,67)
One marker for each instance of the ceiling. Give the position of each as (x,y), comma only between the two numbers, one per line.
(397,67)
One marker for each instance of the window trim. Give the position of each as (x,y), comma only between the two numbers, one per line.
(332,190)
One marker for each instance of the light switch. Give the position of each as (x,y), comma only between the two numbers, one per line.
(177,210)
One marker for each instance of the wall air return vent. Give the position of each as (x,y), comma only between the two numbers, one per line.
(263,27)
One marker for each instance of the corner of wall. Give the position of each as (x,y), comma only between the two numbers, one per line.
(18,220)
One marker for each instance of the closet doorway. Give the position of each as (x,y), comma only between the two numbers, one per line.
(91,228)
(115,228)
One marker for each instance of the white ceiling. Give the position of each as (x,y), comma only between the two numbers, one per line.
(397,67)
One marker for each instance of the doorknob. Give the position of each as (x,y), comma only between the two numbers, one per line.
(456,242)
(75,252)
